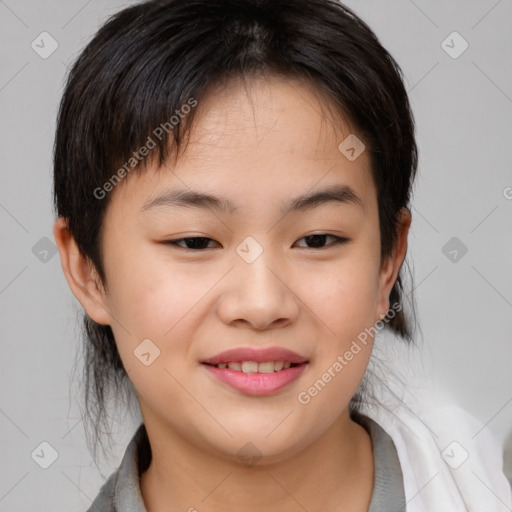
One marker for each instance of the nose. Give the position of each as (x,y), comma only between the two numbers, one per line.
(258,295)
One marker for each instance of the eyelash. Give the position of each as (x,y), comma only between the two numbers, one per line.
(337,241)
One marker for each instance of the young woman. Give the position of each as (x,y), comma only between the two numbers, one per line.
(232,186)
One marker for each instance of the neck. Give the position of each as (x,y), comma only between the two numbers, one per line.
(336,470)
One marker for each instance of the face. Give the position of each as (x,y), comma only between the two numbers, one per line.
(266,272)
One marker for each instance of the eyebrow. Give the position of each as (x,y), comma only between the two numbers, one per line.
(179,197)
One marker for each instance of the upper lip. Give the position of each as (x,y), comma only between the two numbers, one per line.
(260,355)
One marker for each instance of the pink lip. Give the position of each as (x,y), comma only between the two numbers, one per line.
(259,355)
(256,383)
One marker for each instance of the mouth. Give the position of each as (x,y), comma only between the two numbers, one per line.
(248,357)
(255,367)
(256,372)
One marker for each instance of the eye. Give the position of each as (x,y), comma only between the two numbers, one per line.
(199,243)
(318,239)
(195,243)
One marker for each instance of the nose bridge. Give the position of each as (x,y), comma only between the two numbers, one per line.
(258,293)
(253,269)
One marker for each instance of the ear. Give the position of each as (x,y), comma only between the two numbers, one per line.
(81,275)
(390,267)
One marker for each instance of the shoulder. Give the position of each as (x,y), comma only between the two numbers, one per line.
(121,491)
(449,458)
(104,501)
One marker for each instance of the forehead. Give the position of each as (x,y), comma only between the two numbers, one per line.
(255,142)
(288,115)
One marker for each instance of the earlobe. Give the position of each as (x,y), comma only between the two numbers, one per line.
(80,274)
(391,266)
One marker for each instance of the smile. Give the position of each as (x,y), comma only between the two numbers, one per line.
(257,379)
(255,367)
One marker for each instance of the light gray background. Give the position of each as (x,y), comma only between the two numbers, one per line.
(463,109)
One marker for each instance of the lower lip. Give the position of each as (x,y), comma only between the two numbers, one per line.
(257,383)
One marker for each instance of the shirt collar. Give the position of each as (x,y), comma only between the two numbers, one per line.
(127,495)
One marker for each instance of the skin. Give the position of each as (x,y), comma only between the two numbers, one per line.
(259,148)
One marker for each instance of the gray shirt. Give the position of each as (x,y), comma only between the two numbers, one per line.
(121,492)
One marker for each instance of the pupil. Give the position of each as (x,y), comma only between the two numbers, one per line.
(316,238)
(195,243)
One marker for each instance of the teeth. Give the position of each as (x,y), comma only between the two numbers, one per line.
(249,366)
(266,367)
(254,367)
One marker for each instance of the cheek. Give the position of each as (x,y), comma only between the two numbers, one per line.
(346,304)
(150,291)
(344,295)
(151,297)
(160,302)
